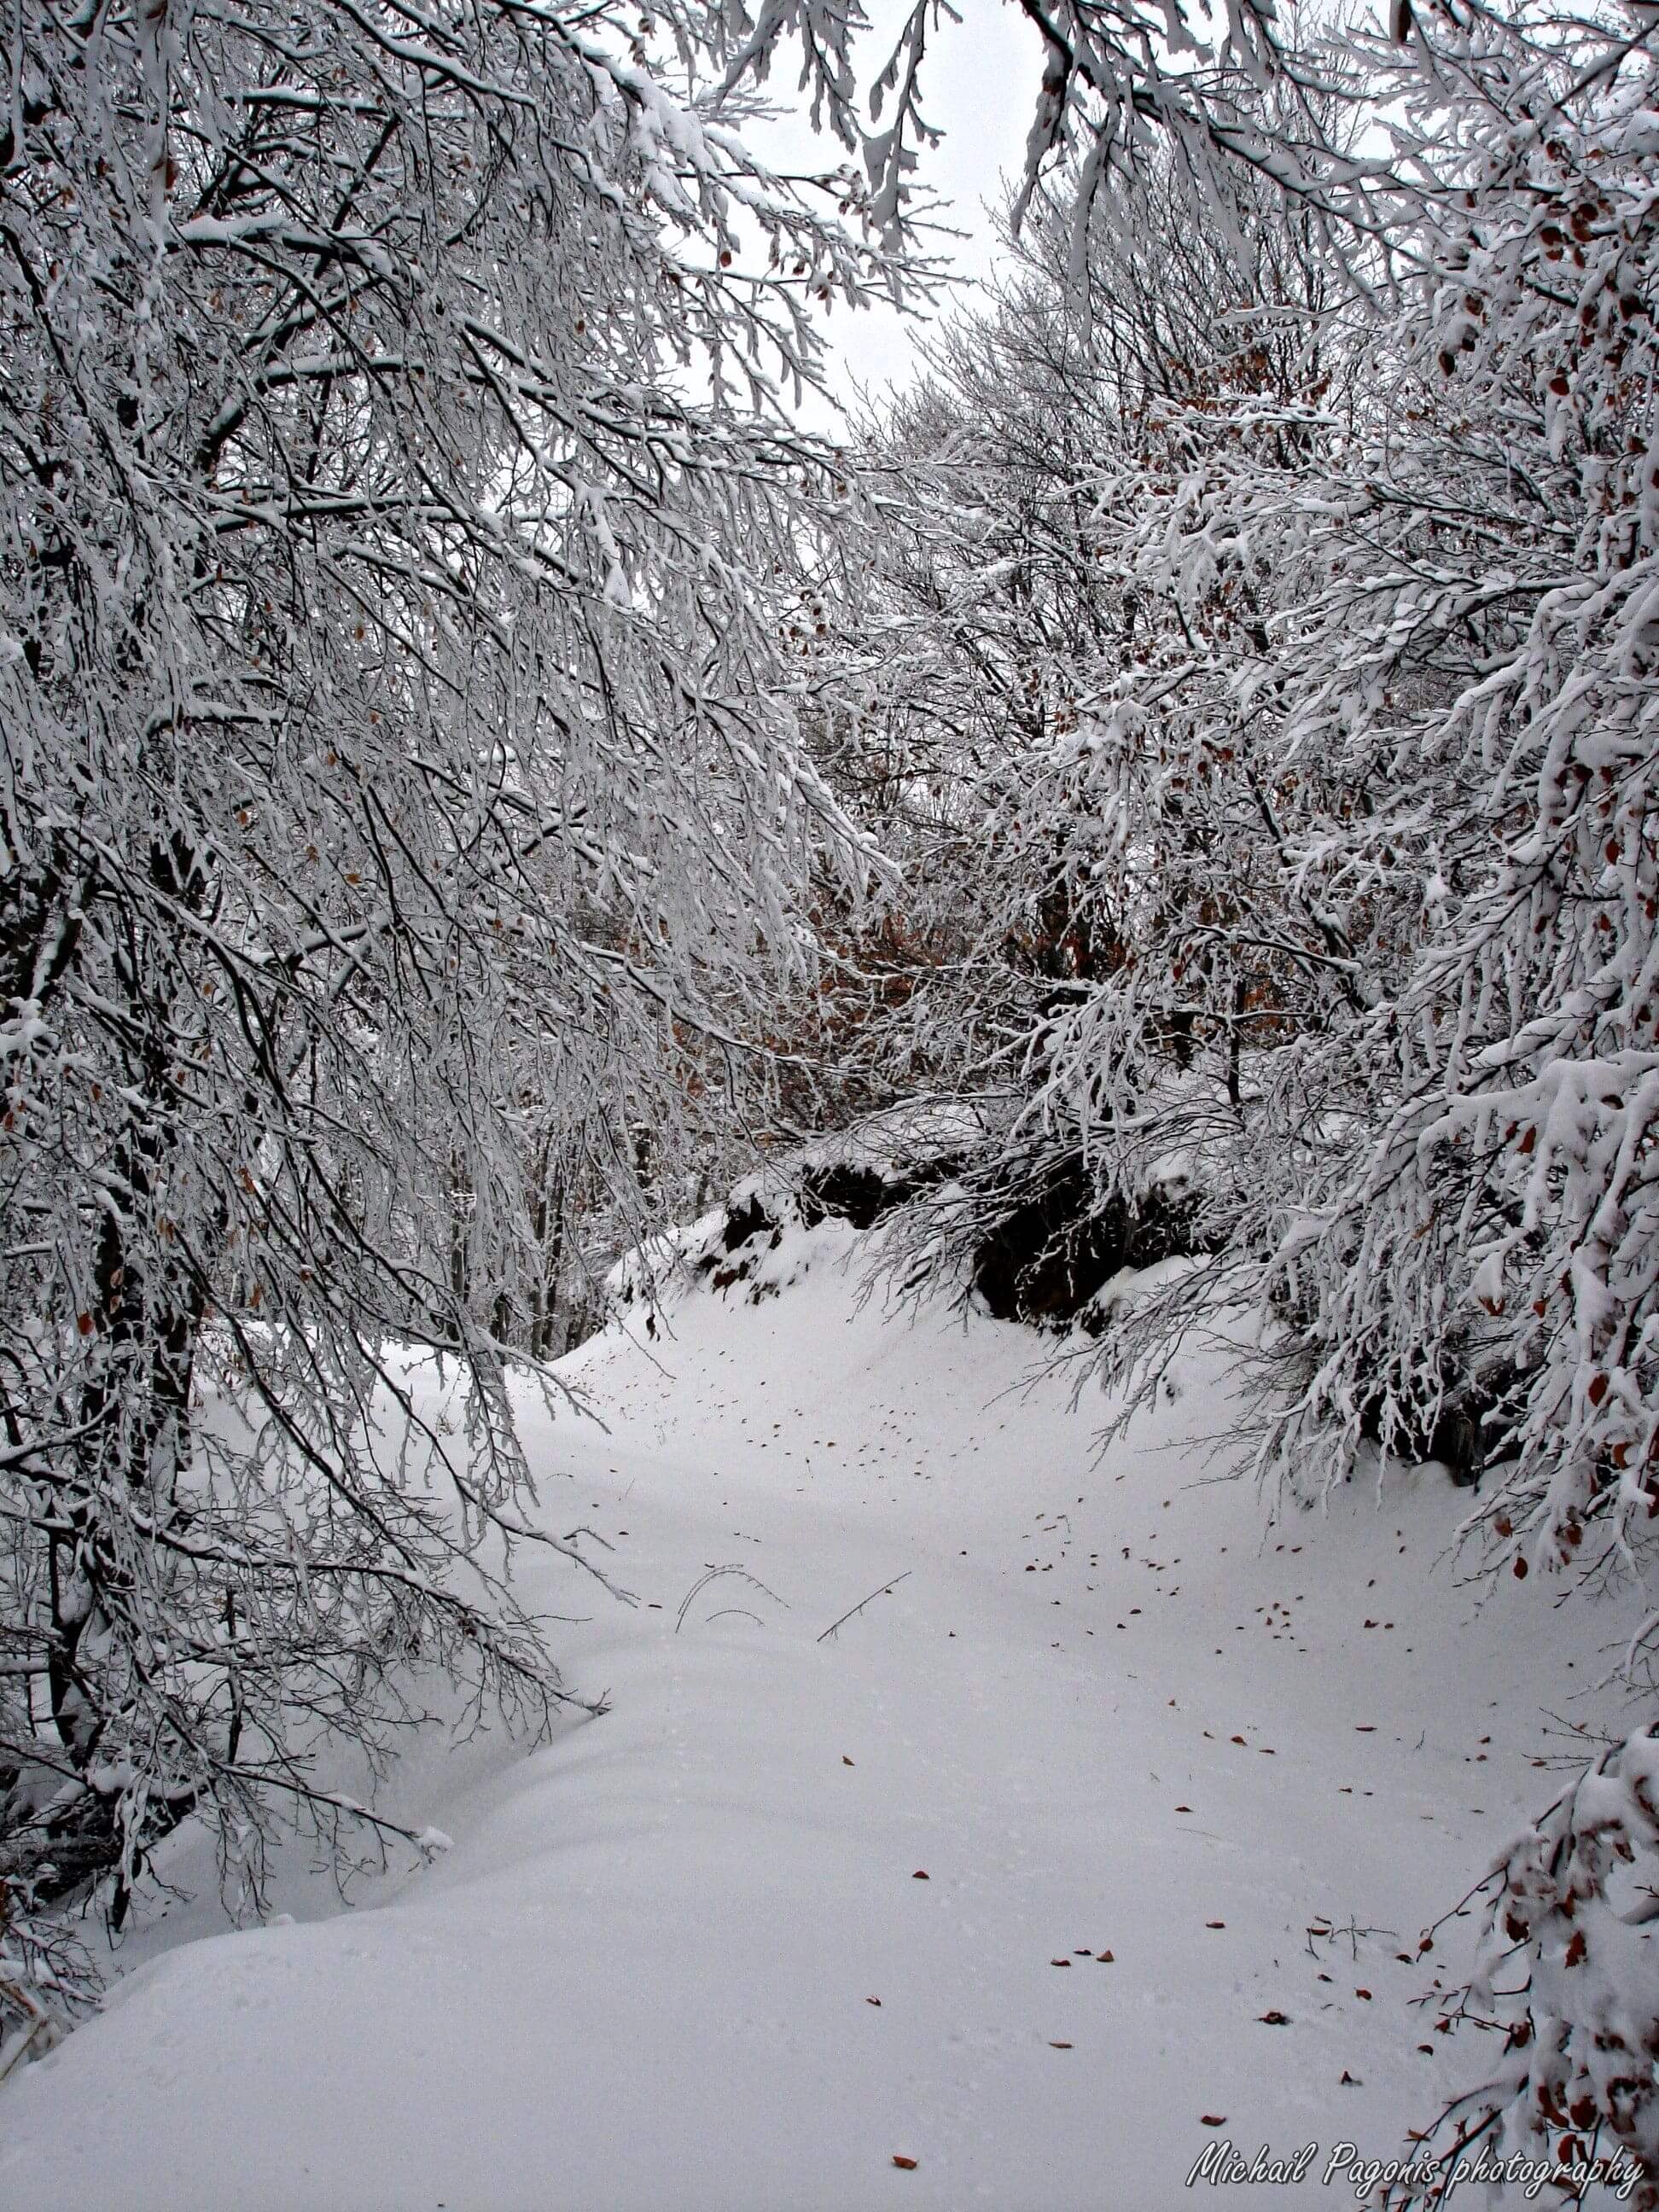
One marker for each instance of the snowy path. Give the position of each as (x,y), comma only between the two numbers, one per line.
(1104,1713)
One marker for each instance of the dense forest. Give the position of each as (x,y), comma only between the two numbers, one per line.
(480,778)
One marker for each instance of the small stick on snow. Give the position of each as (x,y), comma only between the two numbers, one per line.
(863,1601)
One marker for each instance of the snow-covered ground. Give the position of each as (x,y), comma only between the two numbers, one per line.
(1184,1787)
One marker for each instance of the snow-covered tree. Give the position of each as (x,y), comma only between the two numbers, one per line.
(1343,822)
(396,813)
(1094,828)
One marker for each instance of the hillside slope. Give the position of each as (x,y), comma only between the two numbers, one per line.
(1140,1743)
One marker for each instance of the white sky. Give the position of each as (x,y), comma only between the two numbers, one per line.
(980,84)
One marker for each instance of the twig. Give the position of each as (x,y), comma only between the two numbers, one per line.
(863,1601)
(713,1575)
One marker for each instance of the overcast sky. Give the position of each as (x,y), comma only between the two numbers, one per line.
(980,89)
